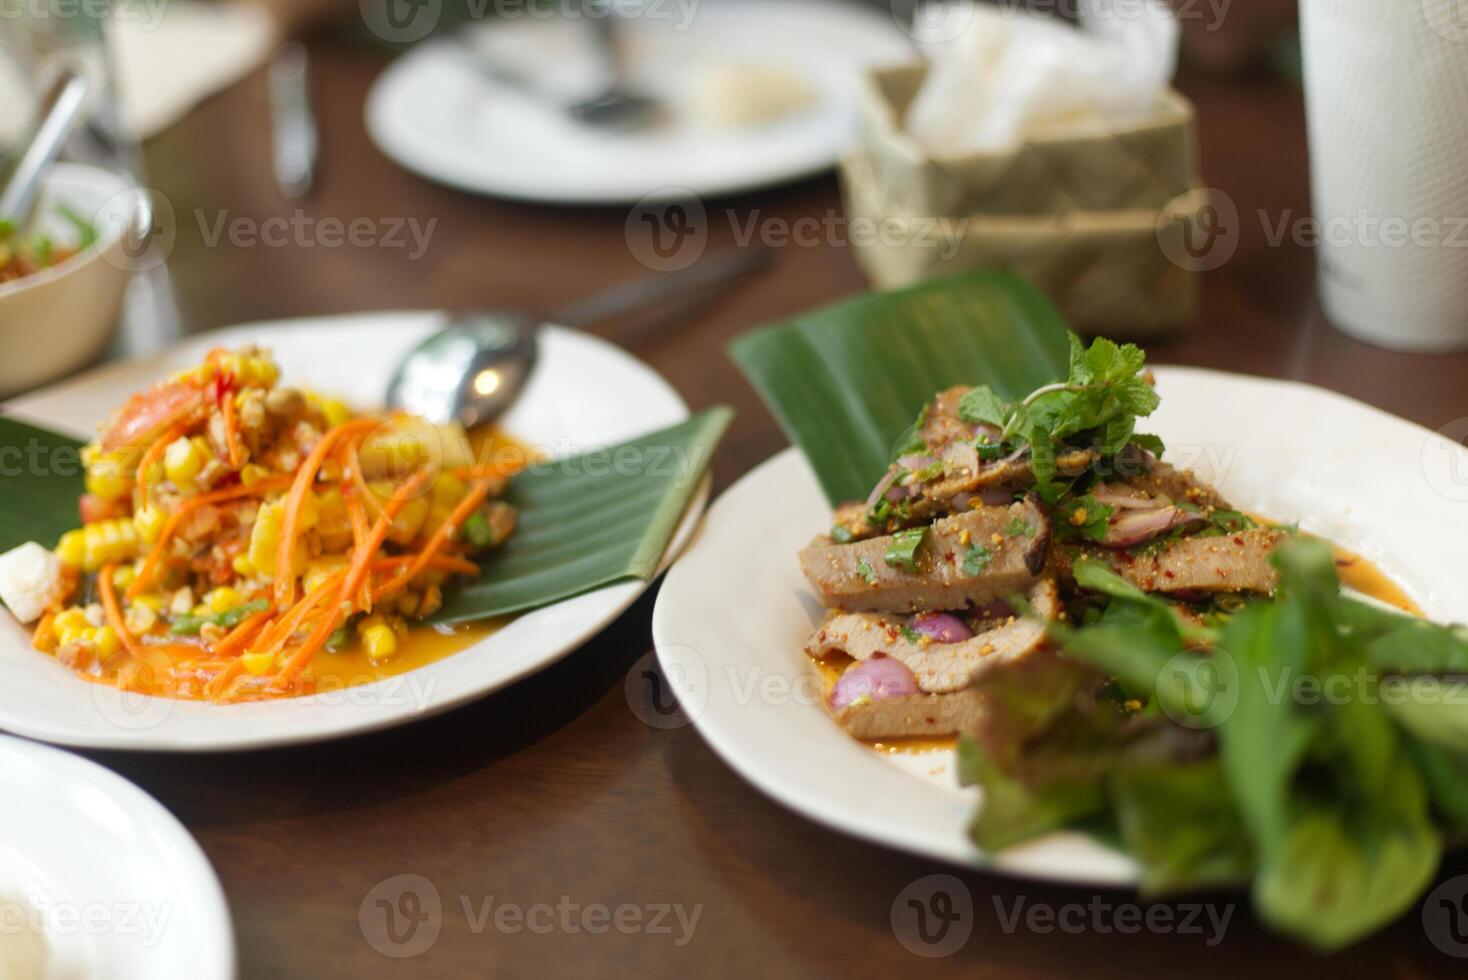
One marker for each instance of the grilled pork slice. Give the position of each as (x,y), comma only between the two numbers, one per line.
(940,668)
(1226,563)
(913,716)
(1012,545)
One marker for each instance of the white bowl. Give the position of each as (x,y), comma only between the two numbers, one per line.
(62,318)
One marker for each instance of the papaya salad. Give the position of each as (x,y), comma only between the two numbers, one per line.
(233,529)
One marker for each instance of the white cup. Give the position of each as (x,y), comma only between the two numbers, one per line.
(1386,85)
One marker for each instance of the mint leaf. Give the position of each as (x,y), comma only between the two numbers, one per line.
(976,559)
(903,551)
(980,405)
(1083,517)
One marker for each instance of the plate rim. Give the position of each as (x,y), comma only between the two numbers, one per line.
(221,957)
(151,740)
(796,796)
(402,149)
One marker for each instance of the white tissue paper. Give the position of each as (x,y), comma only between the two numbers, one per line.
(999,74)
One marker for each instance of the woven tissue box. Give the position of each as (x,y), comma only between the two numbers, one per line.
(1090,216)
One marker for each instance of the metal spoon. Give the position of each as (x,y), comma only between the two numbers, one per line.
(473,369)
(56,116)
(617,106)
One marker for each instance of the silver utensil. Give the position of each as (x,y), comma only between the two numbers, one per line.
(474,368)
(56,116)
(292,122)
(618,105)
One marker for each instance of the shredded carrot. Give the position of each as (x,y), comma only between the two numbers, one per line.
(356,510)
(110,607)
(155,555)
(154,453)
(231,431)
(237,638)
(361,565)
(276,636)
(477,492)
(285,574)
(218,685)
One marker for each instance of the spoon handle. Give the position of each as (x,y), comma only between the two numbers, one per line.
(662,287)
(55,117)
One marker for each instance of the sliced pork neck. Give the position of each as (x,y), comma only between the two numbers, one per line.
(857,577)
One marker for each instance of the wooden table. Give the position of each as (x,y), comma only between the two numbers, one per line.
(555,788)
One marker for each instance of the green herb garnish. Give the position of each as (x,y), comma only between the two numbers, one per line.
(976,559)
(477,530)
(841,534)
(190,625)
(903,551)
(1018,528)
(1097,407)
(864,569)
(909,634)
(1082,517)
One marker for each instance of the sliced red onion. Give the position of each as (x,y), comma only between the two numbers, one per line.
(998,609)
(913,462)
(941,627)
(879,679)
(883,485)
(1136,526)
(1123,497)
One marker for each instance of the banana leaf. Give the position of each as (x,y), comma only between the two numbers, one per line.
(846,382)
(591,519)
(40,481)
(585,521)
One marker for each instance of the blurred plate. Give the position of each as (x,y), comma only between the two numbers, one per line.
(1388,490)
(584,393)
(108,880)
(436,112)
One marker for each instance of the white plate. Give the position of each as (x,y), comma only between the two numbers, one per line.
(584,393)
(731,618)
(113,882)
(436,113)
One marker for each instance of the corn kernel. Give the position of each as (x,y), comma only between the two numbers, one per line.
(336,412)
(72,548)
(223,599)
(149,600)
(149,521)
(107,641)
(253,473)
(139,619)
(123,576)
(408,603)
(182,461)
(108,474)
(265,537)
(257,663)
(69,624)
(380,642)
(242,566)
(108,541)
